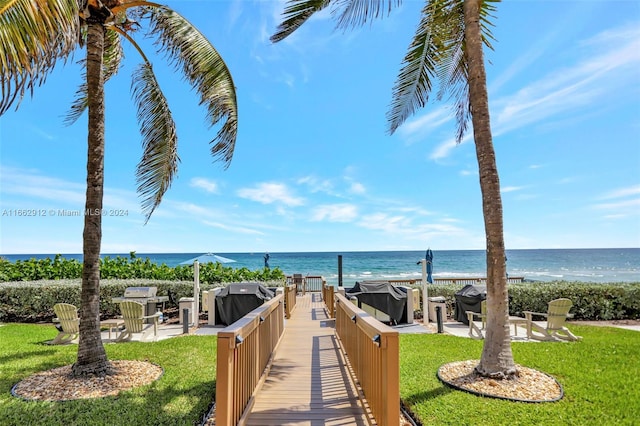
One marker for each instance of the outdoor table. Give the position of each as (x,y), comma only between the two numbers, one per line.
(112,324)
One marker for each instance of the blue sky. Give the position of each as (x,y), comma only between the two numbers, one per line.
(314,167)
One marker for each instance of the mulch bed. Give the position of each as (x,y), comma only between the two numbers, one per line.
(60,385)
(529,386)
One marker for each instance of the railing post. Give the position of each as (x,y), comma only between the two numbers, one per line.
(330,291)
(224,380)
(287,304)
(391,379)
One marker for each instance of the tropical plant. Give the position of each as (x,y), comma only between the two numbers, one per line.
(37,35)
(446,48)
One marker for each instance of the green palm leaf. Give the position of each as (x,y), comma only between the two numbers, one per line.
(159,161)
(452,70)
(111,58)
(437,51)
(295,14)
(33,36)
(356,12)
(205,70)
(415,79)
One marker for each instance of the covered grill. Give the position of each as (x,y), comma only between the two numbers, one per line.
(146,296)
(469,298)
(238,299)
(383,296)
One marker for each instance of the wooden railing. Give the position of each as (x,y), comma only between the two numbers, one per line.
(373,352)
(310,282)
(244,349)
(328,292)
(462,281)
(289,300)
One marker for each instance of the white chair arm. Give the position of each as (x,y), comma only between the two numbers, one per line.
(536,313)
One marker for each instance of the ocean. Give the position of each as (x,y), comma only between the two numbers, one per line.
(586,265)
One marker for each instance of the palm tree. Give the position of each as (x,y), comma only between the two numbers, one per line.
(36,36)
(446,48)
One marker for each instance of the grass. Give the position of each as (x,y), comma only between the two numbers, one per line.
(181,396)
(600,376)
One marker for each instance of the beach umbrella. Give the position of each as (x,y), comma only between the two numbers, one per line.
(429,257)
(208,258)
(196,261)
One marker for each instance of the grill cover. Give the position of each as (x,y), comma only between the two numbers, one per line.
(469,298)
(382,296)
(238,299)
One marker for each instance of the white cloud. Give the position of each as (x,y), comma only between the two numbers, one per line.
(335,213)
(444,149)
(235,229)
(193,209)
(205,184)
(506,189)
(235,11)
(404,227)
(610,63)
(417,128)
(384,222)
(619,205)
(30,183)
(357,188)
(606,67)
(622,192)
(269,192)
(316,185)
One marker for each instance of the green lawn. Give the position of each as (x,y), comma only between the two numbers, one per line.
(600,376)
(180,397)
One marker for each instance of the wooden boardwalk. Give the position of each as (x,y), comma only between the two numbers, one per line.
(308,383)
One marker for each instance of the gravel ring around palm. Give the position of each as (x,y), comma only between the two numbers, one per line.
(59,384)
(529,386)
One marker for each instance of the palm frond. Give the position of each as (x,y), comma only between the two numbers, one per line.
(357,12)
(453,69)
(111,59)
(295,14)
(438,51)
(414,82)
(487,8)
(113,54)
(33,37)
(205,70)
(159,161)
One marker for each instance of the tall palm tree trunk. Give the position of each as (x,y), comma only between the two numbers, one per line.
(497,358)
(92,358)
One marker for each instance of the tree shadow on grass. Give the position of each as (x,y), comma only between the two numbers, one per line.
(420,397)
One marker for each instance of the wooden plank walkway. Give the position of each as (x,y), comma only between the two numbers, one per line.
(308,383)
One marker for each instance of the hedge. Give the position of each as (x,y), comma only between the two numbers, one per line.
(32,301)
(60,268)
(591,301)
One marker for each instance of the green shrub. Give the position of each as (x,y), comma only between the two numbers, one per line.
(30,288)
(591,301)
(122,268)
(32,301)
